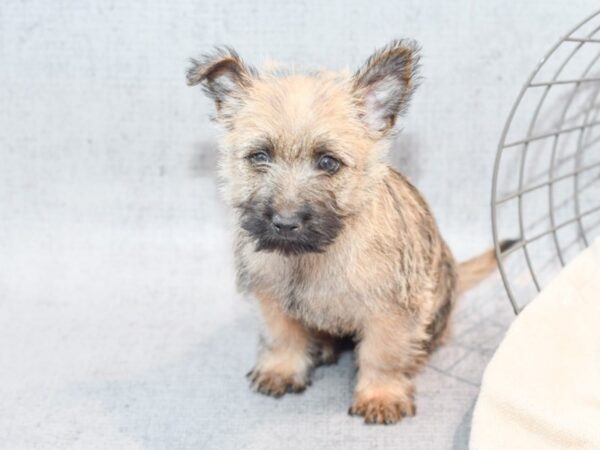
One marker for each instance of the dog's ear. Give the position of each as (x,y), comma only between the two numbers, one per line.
(224,78)
(385,83)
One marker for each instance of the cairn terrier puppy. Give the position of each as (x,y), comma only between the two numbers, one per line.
(330,240)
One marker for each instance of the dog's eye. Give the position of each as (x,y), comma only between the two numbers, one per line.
(328,164)
(259,158)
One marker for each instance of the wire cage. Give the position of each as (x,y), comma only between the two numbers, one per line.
(546,182)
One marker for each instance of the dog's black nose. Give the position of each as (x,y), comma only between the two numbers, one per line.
(286,223)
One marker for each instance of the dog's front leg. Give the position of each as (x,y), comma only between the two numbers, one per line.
(284,362)
(386,357)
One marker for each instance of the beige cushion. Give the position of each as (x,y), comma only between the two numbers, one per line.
(541,389)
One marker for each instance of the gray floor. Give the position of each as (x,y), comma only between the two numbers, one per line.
(133,337)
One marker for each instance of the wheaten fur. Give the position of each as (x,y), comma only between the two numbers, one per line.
(377,269)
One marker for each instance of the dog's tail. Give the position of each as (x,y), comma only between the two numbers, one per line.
(476,269)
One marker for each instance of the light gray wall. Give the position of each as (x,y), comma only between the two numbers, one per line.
(96,116)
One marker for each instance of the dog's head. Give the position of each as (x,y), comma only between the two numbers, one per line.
(301,154)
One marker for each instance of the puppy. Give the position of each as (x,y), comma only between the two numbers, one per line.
(330,239)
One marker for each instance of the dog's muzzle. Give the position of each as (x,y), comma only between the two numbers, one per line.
(307,230)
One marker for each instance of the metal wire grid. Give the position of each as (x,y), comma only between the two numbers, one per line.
(566,131)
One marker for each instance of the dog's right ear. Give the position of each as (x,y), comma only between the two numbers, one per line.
(385,84)
(224,77)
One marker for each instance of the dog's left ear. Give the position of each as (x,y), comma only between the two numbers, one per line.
(385,84)
(224,77)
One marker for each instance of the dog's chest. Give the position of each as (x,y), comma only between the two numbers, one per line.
(318,294)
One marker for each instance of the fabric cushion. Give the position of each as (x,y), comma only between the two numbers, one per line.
(542,387)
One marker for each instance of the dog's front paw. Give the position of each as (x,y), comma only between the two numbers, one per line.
(382,409)
(271,382)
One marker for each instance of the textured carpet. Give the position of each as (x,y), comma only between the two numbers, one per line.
(133,337)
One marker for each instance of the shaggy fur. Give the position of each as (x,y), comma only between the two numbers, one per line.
(363,256)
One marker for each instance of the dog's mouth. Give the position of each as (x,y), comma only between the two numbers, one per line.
(313,233)
(288,246)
